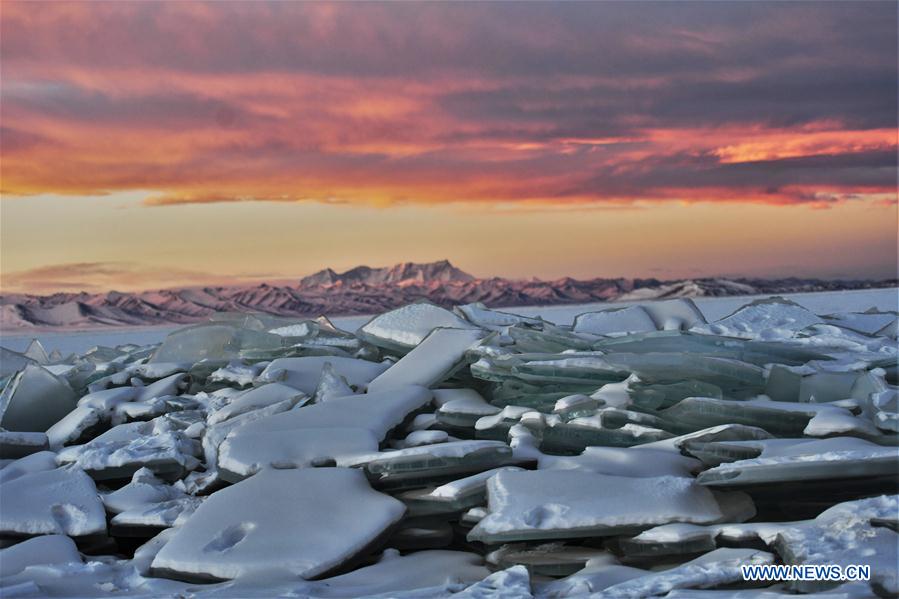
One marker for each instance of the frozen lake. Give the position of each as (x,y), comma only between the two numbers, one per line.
(713,308)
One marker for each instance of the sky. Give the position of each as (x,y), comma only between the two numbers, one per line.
(159,144)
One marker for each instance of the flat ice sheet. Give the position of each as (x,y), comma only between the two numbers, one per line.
(280,520)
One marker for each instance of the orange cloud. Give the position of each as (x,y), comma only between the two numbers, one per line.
(207,103)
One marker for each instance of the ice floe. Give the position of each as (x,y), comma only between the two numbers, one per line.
(640,452)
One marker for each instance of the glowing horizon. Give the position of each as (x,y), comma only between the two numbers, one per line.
(146,145)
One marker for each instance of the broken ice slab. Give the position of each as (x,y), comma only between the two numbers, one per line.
(563,504)
(15,445)
(402,329)
(422,437)
(461,408)
(631,462)
(425,465)
(630,319)
(439,572)
(717,568)
(497,426)
(159,444)
(378,412)
(804,384)
(36,462)
(306,436)
(830,423)
(36,352)
(494,320)
(676,314)
(148,519)
(98,409)
(745,350)
(12,362)
(258,397)
(236,373)
(511,583)
(143,489)
(885,407)
(585,368)
(870,322)
(280,520)
(577,405)
(598,573)
(548,339)
(432,361)
(770,318)
(58,501)
(38,551)
(216,433)
(34,399)
(454,496)
(305,373)
(674,539)
(724,432)
(776,417)
(559,436)
(837,459)
(548,559)
(415,534)
(245,453)
(842,536)
(736,379)
(664,395)
(212,341)
(331,385)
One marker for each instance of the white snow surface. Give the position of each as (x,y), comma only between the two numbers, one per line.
(280,520)
(59,501)
(554,503)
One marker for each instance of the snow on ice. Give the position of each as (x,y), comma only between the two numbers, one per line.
(643,451)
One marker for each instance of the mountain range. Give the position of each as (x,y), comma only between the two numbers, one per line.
(365,290)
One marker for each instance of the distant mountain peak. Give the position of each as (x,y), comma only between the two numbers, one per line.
(367,290)
(405,273)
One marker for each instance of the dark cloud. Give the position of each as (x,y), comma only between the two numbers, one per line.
(443,101)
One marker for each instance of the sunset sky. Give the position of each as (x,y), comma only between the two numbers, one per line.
(158,144)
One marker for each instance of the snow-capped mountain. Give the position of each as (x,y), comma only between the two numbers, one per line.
(366,290)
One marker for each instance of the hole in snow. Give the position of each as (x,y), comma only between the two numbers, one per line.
(229,537)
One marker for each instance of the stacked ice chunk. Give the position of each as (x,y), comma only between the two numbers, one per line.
(640,452)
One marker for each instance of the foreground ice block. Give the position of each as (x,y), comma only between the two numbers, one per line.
(378,412)
(59,501)
(212,341)
(303,523)
(437,571)
(18,445)
(34,399)
(256,398)
(632,319)
(432,361)
(765,317)
(160,445)
(39,551)
(716,568)
(305,373)
(244,454)
(337,430)
(844,535)
(495,320)
(402,329)
(675,314)
(560,504)
(838,458)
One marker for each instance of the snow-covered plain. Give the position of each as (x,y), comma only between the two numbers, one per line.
(636,450)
